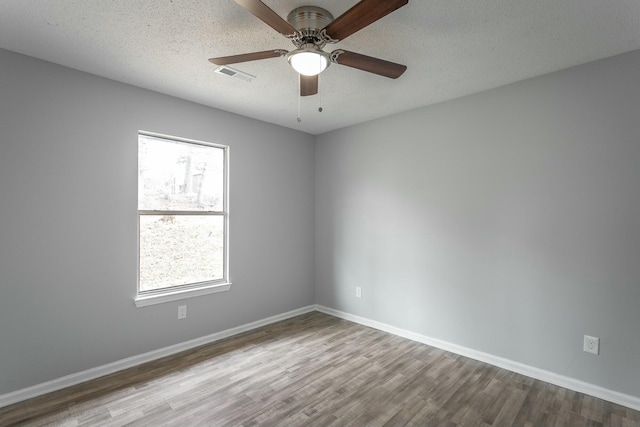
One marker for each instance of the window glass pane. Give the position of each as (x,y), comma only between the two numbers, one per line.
(179,176)
(180,249)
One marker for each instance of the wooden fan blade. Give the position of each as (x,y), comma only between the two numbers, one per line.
(308,85)
(268,16)
(369,63)
(234,59)
(359,16)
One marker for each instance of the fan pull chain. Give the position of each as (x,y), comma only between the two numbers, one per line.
(320,92)
(299,98)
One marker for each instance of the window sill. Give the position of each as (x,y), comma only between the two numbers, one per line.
(145,300)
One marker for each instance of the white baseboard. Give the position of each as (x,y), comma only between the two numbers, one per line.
(99,371)
(530,371)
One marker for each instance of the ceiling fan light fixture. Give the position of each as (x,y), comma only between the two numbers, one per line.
(309,60)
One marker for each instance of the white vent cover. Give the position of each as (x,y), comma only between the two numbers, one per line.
(232,72)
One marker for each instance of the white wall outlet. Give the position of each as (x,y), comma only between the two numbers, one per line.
(182,311)
(591,344)
(358,292)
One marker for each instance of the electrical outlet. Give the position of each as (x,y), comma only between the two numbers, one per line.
(182,311)
(358,292)
(591,344)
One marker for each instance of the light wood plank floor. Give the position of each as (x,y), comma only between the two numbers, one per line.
(317,370)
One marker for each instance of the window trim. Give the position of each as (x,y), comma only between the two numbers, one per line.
(194,289)
(179,294)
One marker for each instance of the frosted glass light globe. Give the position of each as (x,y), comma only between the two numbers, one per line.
(308,62)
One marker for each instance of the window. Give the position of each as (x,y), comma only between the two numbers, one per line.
(182,218)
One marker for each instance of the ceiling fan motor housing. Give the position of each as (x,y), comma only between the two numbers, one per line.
(308,21)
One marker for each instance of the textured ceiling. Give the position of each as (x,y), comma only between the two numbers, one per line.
(451,47)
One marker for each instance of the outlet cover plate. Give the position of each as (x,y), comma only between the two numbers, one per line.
(182,311)
(591,344)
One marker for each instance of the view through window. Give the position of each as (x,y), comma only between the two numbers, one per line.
(181,213)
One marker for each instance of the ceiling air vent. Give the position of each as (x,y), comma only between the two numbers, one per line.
(236,74)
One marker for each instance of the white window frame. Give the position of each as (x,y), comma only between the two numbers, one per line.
(180,292)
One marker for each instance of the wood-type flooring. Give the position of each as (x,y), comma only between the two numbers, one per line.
(316,370)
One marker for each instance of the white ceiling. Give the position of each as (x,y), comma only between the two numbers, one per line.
(451,48)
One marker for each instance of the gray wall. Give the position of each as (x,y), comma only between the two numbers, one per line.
(507,222)
(68,153)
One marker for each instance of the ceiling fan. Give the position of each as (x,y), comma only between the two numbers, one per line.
(311,28)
